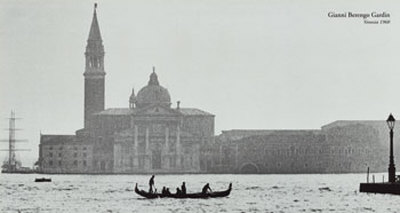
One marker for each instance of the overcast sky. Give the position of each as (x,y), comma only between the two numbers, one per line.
(254,64)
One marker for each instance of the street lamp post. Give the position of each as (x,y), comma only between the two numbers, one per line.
(392,169)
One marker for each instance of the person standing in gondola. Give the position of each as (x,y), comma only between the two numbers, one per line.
(183,188)
(151,184)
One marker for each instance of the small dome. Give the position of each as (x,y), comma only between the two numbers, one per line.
(153,93)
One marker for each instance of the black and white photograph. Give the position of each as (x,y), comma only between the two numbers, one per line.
(272,106)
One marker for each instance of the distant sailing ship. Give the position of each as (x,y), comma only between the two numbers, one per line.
(12,164)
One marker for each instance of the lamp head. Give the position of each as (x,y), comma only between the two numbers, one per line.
(390,122)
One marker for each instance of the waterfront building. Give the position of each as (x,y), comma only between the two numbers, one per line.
(338,147)
(65,154)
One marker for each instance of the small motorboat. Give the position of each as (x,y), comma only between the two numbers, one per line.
(42,179)
(188,195)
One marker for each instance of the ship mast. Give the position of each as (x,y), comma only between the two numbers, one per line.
(12,163)
(12,160)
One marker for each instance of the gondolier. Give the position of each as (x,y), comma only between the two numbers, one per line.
(183,188)
(151,184)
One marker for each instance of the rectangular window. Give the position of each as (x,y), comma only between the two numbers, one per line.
(75,154)
(209,163)
(50,154)
(59,163)
(59,154)
(141,162)
(172,161)
(51,163)
(84,163)
(202,165)
(131,162)
(75,163)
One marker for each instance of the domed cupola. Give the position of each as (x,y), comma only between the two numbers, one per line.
(153,94)
(154,79)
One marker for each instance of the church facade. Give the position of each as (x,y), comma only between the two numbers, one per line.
(149,136)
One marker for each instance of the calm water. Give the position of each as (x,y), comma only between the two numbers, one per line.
(251,193)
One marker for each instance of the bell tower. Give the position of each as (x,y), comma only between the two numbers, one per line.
(94,71)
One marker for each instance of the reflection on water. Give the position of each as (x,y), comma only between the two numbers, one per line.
(251,193)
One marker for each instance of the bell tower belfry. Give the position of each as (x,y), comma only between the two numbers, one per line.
(94,71)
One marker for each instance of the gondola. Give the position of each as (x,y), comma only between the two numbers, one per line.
(42,179)
(188,195)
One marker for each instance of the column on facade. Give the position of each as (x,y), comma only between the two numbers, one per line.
(237,156)
(167,139)
(178,147)
(220,154)
(136,147)
(196,157)
(147,149)
(166,149)
(147,141)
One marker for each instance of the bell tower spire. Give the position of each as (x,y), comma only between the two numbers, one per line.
(94,34)
(94,48)
(94,71)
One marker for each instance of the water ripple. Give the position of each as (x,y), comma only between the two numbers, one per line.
(251,193)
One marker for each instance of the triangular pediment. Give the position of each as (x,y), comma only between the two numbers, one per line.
(155,110)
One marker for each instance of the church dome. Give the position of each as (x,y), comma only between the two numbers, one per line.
(153,93)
